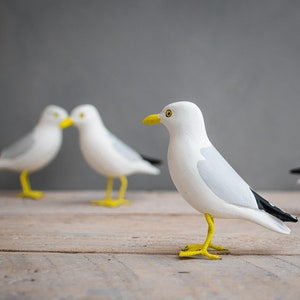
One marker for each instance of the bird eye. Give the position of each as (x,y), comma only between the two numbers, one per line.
(56,115)
(168,113)
(81,115)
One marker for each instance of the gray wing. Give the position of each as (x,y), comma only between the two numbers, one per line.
(124,149)
(223,180)
(19,147)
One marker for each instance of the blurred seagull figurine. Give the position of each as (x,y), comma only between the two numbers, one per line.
(107,154)
(206,181)
(36,149)
(296,171)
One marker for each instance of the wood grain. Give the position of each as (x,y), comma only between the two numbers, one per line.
(61,247)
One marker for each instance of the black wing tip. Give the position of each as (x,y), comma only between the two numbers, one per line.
(291,218)
(273,210)
(295,171)
(151,160)
(295,219)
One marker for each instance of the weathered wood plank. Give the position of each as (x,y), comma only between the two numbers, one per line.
(63,248)
(125,276)
(142,202)
(157,222)
(137,233)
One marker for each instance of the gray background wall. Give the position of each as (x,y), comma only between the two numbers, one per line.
(238,60)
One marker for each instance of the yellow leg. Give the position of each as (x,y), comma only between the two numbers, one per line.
(109,187)
(196,249)
(124,183)
(123,187)
(27,192)
(108,200)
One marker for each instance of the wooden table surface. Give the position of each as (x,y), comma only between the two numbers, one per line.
(61,247)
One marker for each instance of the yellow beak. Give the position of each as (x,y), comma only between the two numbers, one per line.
(66,123)
(152,119)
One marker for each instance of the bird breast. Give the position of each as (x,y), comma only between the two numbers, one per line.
(99,153)
(47,141)
(183,156)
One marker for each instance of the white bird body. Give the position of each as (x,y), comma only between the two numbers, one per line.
(37,149)
(185,175)
(205,179)
(182,170)
(107,154)
(100,149)
(46,143)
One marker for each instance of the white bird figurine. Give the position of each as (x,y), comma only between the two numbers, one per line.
(206,181)
(107,154)
(296,171)
(36,149)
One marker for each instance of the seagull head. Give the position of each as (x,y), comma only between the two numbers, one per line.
(179,117)
(84,116)
(53,114)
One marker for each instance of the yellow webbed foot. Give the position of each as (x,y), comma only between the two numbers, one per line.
(110,202)
(197,247)
(203,252)
(36,195)
(201,249)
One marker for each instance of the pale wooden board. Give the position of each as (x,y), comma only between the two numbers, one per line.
(137,233)
(61,247)
(141,202)
(156,222)
(129,277)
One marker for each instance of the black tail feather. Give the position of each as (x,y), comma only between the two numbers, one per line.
(273,210)
(152,161)
(295,171)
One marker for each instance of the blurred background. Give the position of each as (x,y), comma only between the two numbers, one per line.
(239,61)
